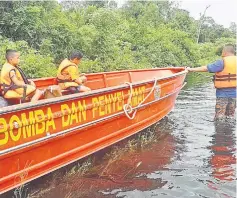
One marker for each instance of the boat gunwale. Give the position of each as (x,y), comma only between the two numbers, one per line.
(25,106)
(79,127)
(124,71)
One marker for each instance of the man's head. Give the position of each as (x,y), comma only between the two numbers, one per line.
(13,57)
(76,57)
(228,50)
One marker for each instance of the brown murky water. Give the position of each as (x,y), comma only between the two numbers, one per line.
(187,155)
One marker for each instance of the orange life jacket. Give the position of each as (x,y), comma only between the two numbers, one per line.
(63,77)
(9,88)
(6,82)
(227,77)
(5,74)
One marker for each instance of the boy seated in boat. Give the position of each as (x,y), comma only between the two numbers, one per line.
(14,82)
(68,75)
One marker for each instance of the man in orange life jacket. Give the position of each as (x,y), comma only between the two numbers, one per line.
(13,80)
(68,75)
(224,81)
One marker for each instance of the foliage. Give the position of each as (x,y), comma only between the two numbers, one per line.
(33,63)
(140,34)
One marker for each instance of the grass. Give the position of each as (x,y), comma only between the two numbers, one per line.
(96,166)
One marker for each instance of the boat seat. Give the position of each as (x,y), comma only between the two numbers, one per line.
(3,102)
(65,92)
(10,101)
(42,84)
(14,101)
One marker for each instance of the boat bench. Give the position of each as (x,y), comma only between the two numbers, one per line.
(18,100)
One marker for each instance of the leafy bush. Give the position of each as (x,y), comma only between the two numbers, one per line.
(32,62)
(141,34)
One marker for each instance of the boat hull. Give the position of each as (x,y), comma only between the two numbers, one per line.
(62,132)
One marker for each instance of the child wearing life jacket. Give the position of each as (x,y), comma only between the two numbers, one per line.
(68,75)
(14,84)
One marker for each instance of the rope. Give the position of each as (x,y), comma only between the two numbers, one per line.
(128,109)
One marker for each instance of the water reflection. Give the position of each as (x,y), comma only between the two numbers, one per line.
(117,173)
(203,164)
(223,159)
(136,167)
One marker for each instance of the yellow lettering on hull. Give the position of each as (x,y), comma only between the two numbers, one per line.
(3,132)
(37,123)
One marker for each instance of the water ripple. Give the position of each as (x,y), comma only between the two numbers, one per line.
(202,161)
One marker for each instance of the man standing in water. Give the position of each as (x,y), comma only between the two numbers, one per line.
(224,81)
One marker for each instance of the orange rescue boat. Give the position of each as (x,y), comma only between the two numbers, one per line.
(38,138)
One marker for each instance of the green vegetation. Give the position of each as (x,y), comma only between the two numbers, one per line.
(141,34)
(103,167)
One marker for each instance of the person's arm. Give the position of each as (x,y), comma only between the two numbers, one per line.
(15,80)
(212,68)
(74,73)
(198,69)
(79,81)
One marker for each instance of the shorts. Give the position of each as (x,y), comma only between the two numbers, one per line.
(225,107)
(74,89)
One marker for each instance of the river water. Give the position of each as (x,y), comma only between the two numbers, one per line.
(202,159)
(192,157)
(196,159)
